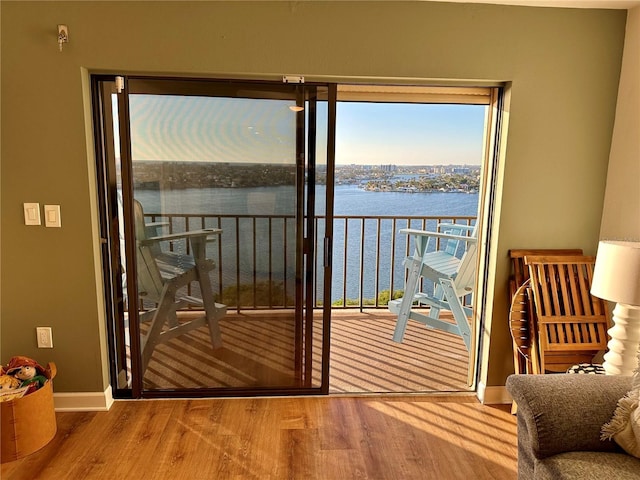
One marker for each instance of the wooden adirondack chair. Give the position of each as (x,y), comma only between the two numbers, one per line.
(162,280)
(453,278)
(571,323)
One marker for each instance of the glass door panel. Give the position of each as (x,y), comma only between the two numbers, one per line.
(320,109)
(219,182)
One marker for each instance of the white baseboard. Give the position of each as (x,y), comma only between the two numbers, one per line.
(493,395)
(83,401)
(102,401)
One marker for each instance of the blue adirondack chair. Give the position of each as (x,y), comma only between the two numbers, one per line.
(452,274)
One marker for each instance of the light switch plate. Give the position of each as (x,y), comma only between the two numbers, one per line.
(32,214)
(52,216)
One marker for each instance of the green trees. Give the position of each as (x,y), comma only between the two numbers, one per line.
(383,299)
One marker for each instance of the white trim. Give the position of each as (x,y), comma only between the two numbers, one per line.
(83,401)
(493,395)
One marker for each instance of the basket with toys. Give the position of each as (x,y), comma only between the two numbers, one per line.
(27,416)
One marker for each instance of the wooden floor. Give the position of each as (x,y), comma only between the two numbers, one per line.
(327,438)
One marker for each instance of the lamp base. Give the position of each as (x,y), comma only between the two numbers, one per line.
(622,357)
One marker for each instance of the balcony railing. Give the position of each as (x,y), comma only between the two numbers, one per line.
(256,256)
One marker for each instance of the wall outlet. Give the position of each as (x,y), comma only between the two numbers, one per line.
(44,336)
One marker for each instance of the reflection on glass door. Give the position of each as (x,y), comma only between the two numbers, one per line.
(217,196)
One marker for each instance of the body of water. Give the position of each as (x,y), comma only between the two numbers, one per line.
(265,248)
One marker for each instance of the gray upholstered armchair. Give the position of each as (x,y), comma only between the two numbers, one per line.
(559,422)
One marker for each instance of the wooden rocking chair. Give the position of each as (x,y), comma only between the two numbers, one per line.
(162,279)
(453,278)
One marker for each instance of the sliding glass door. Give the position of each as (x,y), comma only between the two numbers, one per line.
(210,207)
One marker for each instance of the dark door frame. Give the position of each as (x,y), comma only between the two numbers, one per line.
(103,86)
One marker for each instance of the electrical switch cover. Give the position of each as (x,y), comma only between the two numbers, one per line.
(32,214)
(52,216)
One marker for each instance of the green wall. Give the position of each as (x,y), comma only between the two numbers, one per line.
(621,215)
(564,65)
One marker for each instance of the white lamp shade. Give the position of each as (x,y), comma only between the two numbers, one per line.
(616,276)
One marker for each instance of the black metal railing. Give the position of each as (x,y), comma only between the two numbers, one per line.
(256,256)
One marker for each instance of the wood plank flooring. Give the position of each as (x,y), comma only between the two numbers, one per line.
(326,438)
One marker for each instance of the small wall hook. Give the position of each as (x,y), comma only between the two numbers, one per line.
(63,35)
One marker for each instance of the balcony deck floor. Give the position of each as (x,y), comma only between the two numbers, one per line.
(364,359)
(258,349)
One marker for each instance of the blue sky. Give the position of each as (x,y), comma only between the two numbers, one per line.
(409,134)
(244,130)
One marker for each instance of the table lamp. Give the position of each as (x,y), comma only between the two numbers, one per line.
(616,277)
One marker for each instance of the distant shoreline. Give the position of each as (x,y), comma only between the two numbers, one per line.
(417,190)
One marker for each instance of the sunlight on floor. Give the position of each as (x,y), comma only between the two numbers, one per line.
(466,425)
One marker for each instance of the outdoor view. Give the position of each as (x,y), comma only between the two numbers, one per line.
(392,159)
(217,202)
(399,160)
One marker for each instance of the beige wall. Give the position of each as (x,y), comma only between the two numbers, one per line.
(564,67)
(621,218)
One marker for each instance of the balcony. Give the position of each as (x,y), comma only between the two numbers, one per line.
(367,272)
